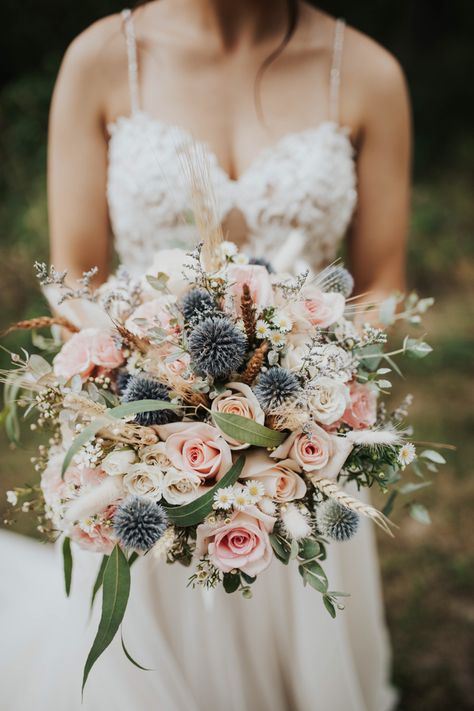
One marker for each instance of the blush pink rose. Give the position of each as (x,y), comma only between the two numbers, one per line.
(258,280)
(318,308)
(316,451)
(282,480)
(243,543)
(98,537)
(84,351)
(362,409)
(159,310)
(196,447)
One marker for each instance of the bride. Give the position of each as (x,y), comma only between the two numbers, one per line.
(300,119)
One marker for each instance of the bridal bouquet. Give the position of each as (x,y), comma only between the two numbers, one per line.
(211,415)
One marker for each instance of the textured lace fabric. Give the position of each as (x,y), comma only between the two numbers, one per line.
(306,181)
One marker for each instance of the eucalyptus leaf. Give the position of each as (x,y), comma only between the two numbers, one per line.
(281,551)
(416,348)
(420,513)
(231,582)
(313,574)
(294,550)
(411,487)
(99,579)
(309,548)
(243,429)
(67,564)
(115,593)
(196,511)
(129,656)
(329,606)
(388,508)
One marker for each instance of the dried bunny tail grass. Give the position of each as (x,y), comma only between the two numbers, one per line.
(333,491)
(197,169)
(42,322)
(286,418)
(116,430)
(255,364)
(375,438)
(130,340)
(183,388)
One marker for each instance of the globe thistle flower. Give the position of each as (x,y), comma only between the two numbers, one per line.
(139,387)
(197,304)
(340,280)
(262,262)
(139,523)
(217,347)
(121,380)
(275,387)
(336,521)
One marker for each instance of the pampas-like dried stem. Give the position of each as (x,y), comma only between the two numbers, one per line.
(333,491)
(255,363)
(130,340)
(42,322)
(248,312)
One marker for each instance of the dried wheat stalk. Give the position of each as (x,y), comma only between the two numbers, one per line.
(255,363)
(248,312)
(42,322)
(333,491)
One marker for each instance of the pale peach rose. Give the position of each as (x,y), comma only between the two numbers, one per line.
(56,487)
(196,447)
(318,451)
(84,351)
(317,308)
(258,280)
(362,409)
(97,537)
(243,543)
(238,399)
(159,310)
(282,480)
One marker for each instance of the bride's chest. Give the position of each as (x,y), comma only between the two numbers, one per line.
(305,181)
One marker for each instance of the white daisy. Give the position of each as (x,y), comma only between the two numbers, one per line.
(241,258)
(282,322)
(224,498)
(241,500)
(277,339)
(261,329)
(407,454)
(255,491)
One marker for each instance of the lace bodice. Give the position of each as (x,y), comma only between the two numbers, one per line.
(306,181)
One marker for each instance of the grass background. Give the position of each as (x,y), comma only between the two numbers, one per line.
(428,571)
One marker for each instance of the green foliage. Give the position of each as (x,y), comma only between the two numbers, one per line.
(67,563)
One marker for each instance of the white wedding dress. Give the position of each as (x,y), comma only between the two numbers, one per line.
(211,651)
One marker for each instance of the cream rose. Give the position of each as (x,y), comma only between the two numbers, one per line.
(327,399)
(144,480)
(317,308)
(282,480)
(171,262)
(243,543)
(119,461)
(180,487)
(197,447)
(155,454)
(238,399)
(315,451)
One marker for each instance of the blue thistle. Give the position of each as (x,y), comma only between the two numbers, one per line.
(121,380)
(336,521)
(217,346)
(140,387)
(197,304)
(340,280)
(275,387)
(262,262)
(139,523)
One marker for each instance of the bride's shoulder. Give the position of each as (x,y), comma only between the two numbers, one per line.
(99,45)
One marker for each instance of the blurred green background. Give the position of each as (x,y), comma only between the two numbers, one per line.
(428,571)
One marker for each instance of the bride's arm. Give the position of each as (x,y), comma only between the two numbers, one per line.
(377,242)
(77,158)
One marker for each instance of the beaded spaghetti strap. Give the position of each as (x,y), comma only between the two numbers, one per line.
(335,76)
(131,41)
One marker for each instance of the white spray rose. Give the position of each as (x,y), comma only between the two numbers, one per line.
(180,487)
(327,399)
(144,480)
(155,454)
(118,462)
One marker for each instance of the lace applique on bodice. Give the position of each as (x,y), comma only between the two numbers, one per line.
(306,181)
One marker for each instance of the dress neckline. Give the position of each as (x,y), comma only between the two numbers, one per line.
(262,155)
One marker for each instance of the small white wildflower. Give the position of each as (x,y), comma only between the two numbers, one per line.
(241,500)
(241,258)
(282,322)
(277,339)
(261,329)
(26,507)
(229,249)
(12,497)
(255,491)
(407,454)
(224,498)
